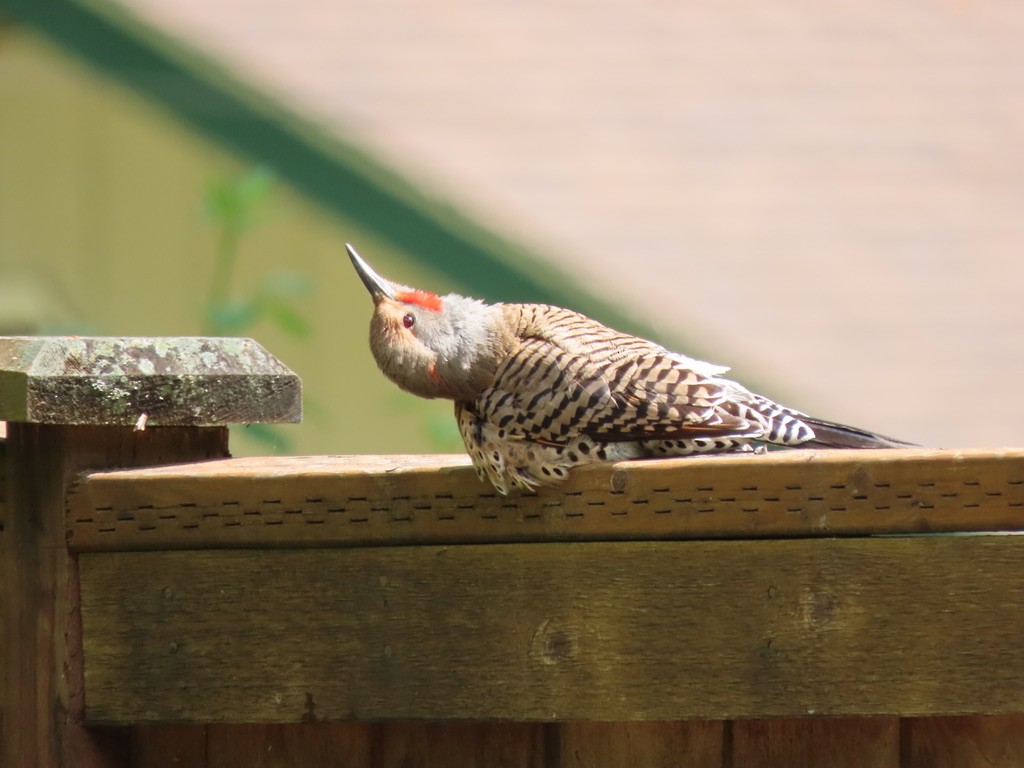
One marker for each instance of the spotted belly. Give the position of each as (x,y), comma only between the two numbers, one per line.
(510,460)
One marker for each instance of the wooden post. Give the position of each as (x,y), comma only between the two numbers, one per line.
(73,403)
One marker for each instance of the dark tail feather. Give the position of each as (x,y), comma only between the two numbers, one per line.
(828,434)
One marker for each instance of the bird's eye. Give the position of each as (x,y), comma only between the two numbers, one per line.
(409,321)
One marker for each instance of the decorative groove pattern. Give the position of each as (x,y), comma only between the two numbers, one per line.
(357,501)
(353,501)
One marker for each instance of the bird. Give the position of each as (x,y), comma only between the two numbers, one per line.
(539,389)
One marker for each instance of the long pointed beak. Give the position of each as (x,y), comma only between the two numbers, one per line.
(378,287)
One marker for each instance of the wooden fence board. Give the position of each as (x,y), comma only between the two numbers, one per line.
(931,742)
(836,742)
(339,745)
(964,742)
(462,745)
(682,744)
(43,685)
(359,501)
(3,475)
(599,631)
(3,524)
(169,746)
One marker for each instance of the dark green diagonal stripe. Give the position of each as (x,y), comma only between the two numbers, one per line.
(337,175)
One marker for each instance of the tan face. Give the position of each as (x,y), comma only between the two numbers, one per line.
(429,345)
(397,333)
(392,320)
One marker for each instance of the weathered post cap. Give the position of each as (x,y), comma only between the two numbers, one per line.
(183,381)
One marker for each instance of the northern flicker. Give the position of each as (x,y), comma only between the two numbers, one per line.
(539,389)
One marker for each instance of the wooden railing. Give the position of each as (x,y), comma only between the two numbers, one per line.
(798,608)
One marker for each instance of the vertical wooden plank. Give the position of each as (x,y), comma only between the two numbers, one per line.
(683,744)
(814,742)
(462,745)
(169,746)
(44,692)
(995,741)
(3,524)
(78,402)
(40,698)
(324,745)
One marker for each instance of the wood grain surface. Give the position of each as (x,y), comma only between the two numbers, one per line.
(963,742)
(360,500)
(43,663)
(613,631)
(681,744)
(836,742)
(993,741)
(174,381)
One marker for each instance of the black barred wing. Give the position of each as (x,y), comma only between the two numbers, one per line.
(658,397)
(578,377)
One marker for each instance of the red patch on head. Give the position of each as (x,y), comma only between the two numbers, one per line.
(424,299)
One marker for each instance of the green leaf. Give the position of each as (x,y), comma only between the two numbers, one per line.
(288,284)
(287,319)
(219,201)
(233,317)
(255,185)
(233,201)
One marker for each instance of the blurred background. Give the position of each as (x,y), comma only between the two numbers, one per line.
(827,196)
